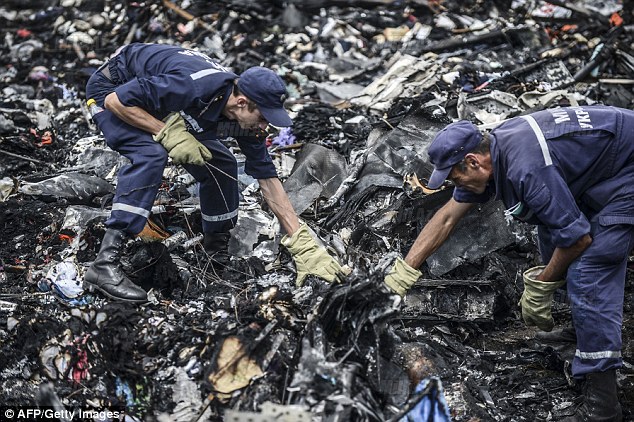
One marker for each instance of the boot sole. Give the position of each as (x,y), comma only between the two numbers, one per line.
(93,287)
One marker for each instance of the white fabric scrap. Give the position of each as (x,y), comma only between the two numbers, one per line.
(64,275)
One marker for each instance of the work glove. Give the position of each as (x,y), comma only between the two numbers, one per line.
(401,277)
(180,144)
(537,299)
(310,258)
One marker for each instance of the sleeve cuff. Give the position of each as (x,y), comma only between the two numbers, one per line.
(567,236)
(129,93)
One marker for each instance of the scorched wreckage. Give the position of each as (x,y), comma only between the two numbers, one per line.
(317,210)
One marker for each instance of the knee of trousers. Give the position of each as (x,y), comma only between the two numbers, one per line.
(153,155)
(596,292)
(224,165)
(219,174)
(223,159)
(145,171)
(149,161)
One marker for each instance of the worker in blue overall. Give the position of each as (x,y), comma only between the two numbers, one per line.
(570,171)
(163,101)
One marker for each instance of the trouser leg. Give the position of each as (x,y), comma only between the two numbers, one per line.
(218,189)
(596,282)
(137,182)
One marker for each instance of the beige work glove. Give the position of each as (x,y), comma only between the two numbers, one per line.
(310,258)
(537,299)
(401,277)
(180,144)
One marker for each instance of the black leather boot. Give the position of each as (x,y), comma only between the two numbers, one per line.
(600,401)
(558,336)
(215,245)
(106,275)
(216,242)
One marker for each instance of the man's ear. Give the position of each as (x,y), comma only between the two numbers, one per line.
(241,102)
(472,161)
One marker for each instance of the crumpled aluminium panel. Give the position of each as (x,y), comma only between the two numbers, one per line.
(419,73)
(488,107)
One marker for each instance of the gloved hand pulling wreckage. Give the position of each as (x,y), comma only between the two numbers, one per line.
(310,258)
(181,145)
(401,277)
(537,299)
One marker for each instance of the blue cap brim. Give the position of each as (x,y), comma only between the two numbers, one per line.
(438,177)
(278,117)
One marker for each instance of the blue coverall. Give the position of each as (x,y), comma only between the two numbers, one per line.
(161,79)
(571,172)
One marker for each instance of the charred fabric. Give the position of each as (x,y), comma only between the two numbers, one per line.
(231,336)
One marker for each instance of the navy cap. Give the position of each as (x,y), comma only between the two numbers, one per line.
(449,147)
(267,90)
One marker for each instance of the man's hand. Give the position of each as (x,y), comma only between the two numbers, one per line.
(180,144)
(401,277)
(537,299)
(310,258)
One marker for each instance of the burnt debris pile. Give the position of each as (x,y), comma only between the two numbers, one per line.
(231,335)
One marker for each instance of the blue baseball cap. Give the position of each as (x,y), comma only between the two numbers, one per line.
(449,147)
(267,90)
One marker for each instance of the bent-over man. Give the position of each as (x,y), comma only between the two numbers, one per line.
(161,101)
(570,171)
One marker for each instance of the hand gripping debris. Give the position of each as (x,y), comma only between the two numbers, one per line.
(310,258)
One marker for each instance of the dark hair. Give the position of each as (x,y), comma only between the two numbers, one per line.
(251,106)
(482,148)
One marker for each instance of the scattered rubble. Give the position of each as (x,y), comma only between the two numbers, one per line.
(370,83)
